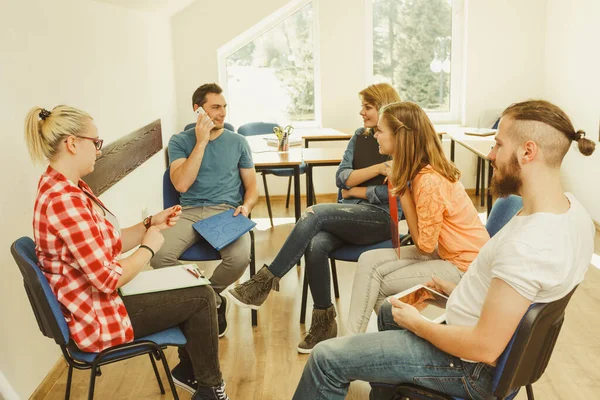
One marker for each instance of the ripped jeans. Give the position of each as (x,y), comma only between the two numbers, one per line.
(322,229)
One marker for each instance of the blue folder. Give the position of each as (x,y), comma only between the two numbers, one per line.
(223,228)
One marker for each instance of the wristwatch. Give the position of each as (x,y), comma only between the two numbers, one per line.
(148,222)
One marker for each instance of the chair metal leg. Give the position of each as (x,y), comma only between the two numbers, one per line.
(529,392)
(93,373)
(69,378)
(253,313)
(160,385)
(314,194)
(287,200)
(336,289)
(168,373)
(268,199)
(304,297)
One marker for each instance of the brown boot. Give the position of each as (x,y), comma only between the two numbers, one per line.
(322,327)
(255,291)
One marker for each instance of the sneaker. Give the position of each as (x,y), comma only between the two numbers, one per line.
(184,378)
(322,327)
(211,393)
(255,291)
(222,316)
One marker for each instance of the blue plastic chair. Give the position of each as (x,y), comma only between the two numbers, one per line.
(503,210)
(522,362)
(227,126)
(262,128)
(52,324)
(202,250)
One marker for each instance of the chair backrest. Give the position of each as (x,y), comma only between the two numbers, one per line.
(527,354)
(170,194)
(227,126)
(256,128)
(46,308)
(503,210)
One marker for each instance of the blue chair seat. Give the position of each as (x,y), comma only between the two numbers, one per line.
(201,251)
(286,171)
(351,253)
(169,337)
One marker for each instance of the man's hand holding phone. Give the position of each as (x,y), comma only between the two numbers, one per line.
(203,126)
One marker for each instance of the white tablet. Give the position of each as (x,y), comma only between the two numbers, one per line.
(431,304)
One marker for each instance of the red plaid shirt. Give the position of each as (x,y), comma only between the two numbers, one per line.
(77,250)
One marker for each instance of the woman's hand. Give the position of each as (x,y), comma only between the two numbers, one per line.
(166,218)
(384,168)
(153,238)
(346,193)
(441,285)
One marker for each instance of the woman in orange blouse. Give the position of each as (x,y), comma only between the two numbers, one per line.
(442,220)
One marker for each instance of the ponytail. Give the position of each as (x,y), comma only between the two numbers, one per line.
(44,130)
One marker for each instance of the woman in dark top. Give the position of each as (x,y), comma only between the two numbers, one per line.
(361,217)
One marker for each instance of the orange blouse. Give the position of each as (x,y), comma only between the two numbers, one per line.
(447,219)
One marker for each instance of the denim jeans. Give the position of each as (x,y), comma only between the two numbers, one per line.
(235,257)
(194,310)
(392,356)
(322,229)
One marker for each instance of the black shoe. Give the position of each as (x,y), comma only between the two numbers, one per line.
(184,378)
(222,316)
(211,393)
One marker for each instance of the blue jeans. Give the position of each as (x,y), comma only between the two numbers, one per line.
(322,229)
(392,356)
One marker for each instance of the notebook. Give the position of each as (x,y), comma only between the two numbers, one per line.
(167,278)
(480,132)
(223,228)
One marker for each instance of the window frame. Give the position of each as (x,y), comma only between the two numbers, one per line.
(263,27)
(457,79)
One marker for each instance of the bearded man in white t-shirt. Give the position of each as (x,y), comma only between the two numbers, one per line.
(539,256)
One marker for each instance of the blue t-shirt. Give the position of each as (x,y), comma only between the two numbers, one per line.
(218,181)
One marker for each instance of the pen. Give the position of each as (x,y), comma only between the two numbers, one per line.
(192,272)
(201,273)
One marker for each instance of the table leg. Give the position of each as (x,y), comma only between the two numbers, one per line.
(297,191)
(478,176)
(482,197)
(489,193)
(309,192)
(452,145)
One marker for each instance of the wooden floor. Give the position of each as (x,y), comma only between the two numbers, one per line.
(262,362)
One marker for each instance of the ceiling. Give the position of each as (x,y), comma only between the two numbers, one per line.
(165,7)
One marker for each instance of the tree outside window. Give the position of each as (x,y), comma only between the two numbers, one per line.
(271,78)
(411,49)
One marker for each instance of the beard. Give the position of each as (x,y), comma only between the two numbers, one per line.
(507,180)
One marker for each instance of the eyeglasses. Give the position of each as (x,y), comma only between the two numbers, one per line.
(97,141)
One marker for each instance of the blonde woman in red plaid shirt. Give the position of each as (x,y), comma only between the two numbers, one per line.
(79,243)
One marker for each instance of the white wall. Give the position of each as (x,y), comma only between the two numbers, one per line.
(573,82)
(503,63)
(117,65)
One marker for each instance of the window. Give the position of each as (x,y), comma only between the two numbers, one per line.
(269,74)
(415,49)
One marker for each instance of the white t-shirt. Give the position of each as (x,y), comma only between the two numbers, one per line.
(542,256)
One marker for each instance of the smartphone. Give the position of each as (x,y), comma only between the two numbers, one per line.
(200,111)
(431,304)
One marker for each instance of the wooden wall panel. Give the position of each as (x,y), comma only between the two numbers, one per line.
(121,157)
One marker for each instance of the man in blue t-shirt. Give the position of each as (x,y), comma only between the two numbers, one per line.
(212,169)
